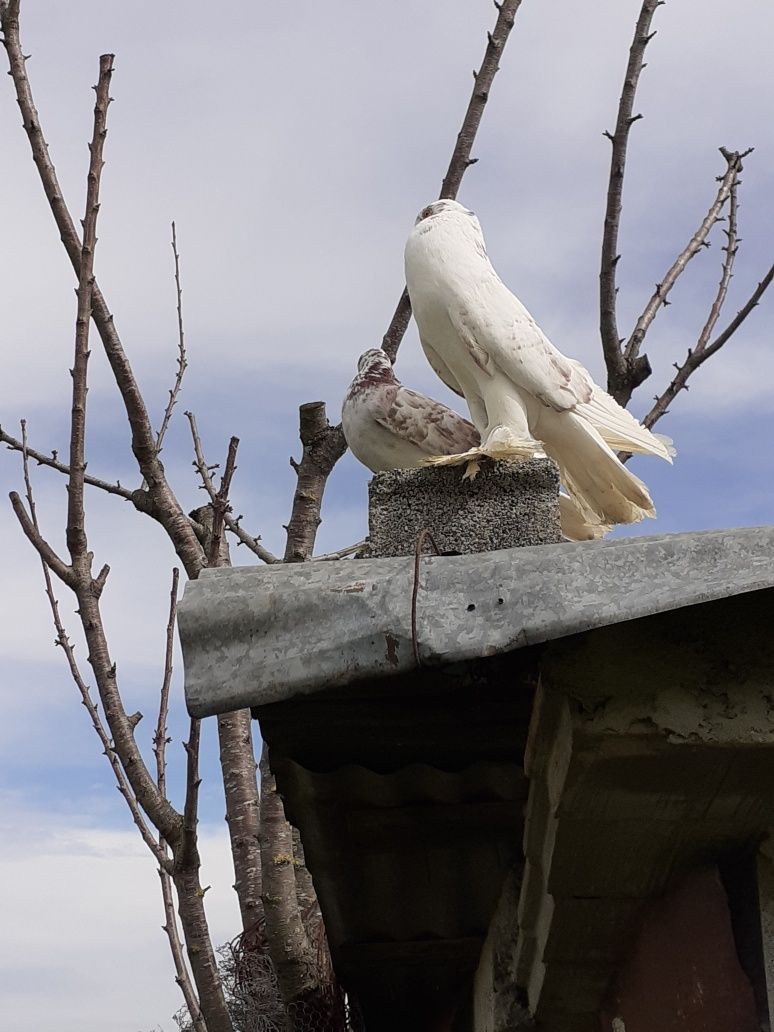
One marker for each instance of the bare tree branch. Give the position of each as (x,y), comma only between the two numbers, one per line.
(461,159)
(323,446)
(182,360)
(288,942)
(191,806)
(205,472)
(342,552)
(220,504)
(619,374)
(253,543)
(165,506)
(64,642)
(658,299)
(484,77)
(44,550)
(160,739)
(182,976)
(76,534)
(699,355)
(52,461)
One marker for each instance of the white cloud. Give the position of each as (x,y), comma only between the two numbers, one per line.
(82,942)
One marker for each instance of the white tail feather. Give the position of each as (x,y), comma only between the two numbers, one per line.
(604,490)
(574,525)
(620,430)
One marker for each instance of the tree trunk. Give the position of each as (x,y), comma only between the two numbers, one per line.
(237,761)
(288,943)
(240,782)
(201,957)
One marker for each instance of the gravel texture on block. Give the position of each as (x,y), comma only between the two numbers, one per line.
(507,505)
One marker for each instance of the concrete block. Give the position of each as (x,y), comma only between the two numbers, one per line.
(507,505)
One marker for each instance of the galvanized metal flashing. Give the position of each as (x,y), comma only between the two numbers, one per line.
(257,635)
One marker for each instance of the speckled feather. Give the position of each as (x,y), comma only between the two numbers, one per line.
(389,426)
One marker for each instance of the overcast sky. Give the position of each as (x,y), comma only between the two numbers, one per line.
(294,144)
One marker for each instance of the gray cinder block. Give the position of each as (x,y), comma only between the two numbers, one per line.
(507,505)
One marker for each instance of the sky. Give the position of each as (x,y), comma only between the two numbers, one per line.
(293,144)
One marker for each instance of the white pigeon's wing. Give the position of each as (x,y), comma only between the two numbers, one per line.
(426,423)
(440,368)
(499,333)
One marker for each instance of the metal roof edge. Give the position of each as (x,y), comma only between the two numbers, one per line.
(256,635)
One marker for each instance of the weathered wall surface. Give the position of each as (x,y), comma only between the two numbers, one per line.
(683,974)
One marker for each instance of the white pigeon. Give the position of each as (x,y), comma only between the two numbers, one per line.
(389,426)
(524,396)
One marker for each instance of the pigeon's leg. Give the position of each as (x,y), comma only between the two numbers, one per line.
(508,433)
(501,417)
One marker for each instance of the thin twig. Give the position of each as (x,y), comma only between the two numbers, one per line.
(247,539)
(63,641)
(53,462)
(730,251)
(342,552)
(461,159)
(698,357)
(694,245)
(39,543)
(619,374)
(182,360)
(220,503)
(204,471)
(76,534)
(160,739)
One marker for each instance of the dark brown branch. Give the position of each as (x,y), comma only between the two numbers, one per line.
(461,159)
(204,471)
(220,504)
(165,506)
(187,855)
(76,534)
(698,357)
(482,83)
(730,251)
(694,245)
(63,641)
(619,373)
(182,360)
(253,543)
(323,446)
(342,553)
(53,463)
(160,739)
(182,976)
(42,547)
